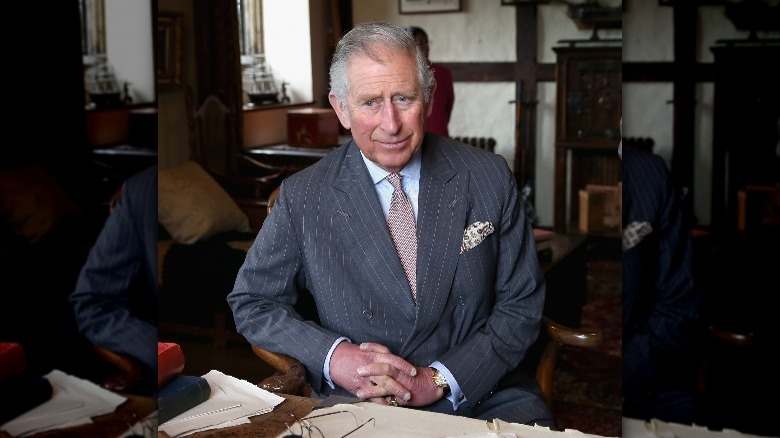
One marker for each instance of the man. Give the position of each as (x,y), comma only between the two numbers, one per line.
(115,299)
(661,306)
(450,339)
(444,91)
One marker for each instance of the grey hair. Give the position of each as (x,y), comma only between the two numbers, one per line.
(367,39)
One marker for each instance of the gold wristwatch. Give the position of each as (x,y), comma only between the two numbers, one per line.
(440,381)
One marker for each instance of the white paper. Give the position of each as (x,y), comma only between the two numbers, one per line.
(232,402)
(633,428)
(380,421)
(74,402)
(146,428)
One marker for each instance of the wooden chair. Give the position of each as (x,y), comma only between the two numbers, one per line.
(290,376)
(211,145)
(130,376)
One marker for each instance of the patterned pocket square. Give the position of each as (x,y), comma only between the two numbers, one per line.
(474,234)
(634,233)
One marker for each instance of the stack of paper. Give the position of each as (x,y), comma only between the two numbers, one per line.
(74,402)
(232,402)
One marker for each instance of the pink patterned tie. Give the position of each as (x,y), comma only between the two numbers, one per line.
(400,220)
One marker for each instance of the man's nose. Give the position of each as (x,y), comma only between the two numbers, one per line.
(390,119)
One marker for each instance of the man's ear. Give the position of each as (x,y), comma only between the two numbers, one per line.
(341,112)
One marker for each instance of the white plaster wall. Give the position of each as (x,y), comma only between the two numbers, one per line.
(702,173)
(648,33)
(484,31)
(486,110)
(545,153)
(650,114)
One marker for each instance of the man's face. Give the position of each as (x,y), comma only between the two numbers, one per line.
(386,110)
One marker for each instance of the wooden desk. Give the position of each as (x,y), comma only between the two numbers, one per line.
(267,425)
(133,410)
(290,158)
(566,276)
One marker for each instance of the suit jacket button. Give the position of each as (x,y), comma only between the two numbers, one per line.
(461,300)
(368,314)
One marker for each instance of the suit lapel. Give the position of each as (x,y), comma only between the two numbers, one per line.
(358,203)
(442,209)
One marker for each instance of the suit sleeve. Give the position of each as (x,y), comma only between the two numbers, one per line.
(266,291)
(106,310)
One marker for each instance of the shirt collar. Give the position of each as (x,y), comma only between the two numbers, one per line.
(411,171)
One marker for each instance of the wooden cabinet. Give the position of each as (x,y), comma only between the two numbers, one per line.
(587,134)
(746,126)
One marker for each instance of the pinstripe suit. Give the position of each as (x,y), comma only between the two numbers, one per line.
(122,263)
(660,302)
(477,312)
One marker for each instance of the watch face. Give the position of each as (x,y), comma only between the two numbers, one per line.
(439,379)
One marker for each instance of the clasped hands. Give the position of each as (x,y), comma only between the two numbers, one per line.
(372,372)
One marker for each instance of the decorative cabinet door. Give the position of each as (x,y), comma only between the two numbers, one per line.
(588,110)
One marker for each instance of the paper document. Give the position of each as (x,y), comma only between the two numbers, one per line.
(74,401)
(232,402)
(365,419)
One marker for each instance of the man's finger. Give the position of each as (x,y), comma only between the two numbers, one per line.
(384,386)
(384,355)
(373,347)
(397,362)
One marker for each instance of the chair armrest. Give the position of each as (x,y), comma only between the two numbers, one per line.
(132,375)
(163,246)
(290,376)
(559,335)
(732,338)
(575,337)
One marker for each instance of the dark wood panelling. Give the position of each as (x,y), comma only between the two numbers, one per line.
(482,71)
(495,71)
(663,72)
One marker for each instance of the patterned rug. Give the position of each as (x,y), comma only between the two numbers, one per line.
(587,382)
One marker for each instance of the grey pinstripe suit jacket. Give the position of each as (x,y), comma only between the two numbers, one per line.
(477,311)
(106,309)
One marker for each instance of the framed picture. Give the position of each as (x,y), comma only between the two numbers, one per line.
(428,6)
(168,49)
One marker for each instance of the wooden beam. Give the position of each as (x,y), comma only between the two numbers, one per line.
(664,72)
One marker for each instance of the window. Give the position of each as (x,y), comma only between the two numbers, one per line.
(275,40)
(118,51)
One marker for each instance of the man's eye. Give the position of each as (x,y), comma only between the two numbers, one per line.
(369,103)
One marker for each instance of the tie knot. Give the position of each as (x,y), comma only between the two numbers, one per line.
(395,180)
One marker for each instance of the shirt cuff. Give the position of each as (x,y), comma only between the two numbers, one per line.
(456,394)
(326,368)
